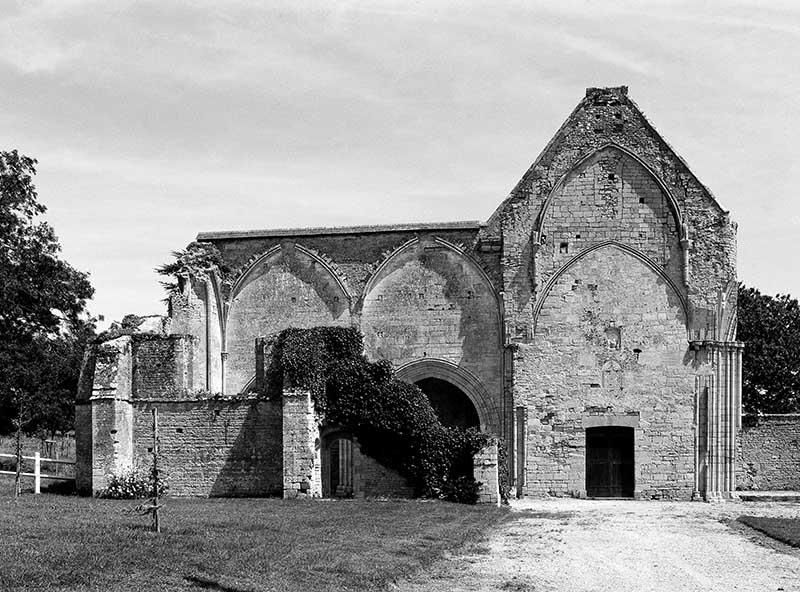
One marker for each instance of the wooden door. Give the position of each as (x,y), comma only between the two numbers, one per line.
(338,470)
(609,462)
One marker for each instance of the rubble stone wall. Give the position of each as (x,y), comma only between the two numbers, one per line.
(769,452)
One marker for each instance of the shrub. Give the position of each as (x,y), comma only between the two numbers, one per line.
(393,420)
(462,490)
(132,483)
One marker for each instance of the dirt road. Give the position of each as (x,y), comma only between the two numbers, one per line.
(580,546)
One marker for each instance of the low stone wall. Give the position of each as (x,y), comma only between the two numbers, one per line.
(769,453)
(213,448)
(372,479)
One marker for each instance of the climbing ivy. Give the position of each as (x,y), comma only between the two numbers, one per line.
(393,420)
(196,259)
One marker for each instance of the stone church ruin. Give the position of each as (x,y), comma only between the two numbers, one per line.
(589,323)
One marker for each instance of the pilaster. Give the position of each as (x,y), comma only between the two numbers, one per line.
(718,417)
(485,471)
(110,413)
(302,464)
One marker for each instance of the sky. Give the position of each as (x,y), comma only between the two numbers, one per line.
(153,121)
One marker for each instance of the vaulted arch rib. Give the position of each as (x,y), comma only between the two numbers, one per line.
(378,274)
(246,273)
(674,206)
(625,248)
(250,268)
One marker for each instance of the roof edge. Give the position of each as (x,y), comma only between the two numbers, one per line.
(338,230)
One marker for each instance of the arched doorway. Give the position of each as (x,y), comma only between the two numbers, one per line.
(486,405)
(452,406)
(337,465)
(610,461)
(454,409)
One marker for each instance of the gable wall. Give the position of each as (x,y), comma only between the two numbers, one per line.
(608,117)
(607,178)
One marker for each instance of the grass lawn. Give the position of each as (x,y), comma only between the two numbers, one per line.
(786,530)
(51,542)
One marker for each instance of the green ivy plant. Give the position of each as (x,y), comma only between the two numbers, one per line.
(196,259)
(392,420)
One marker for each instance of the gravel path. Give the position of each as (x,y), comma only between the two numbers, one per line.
(580,546)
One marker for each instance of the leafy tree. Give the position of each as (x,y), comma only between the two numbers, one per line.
(770,329)
(43,325)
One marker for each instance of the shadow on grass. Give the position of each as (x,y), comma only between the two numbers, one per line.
(209,584)
(52,542)
(785,530)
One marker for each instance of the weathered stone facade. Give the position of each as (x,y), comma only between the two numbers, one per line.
(590,323)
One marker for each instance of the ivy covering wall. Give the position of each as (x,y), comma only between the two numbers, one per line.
(392,420)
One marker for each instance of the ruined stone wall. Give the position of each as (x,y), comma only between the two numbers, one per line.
(286,289)
(769,452)
(357,253)
(605,124)
(485,471)
(189,315)
(164,366)
(432,302)
(213,447)
(608,197)
(574,304)
(611,342)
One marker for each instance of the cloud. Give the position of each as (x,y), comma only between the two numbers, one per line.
(28,41)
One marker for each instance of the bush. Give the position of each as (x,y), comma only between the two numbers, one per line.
(132,484)
(462,490)
(393,420)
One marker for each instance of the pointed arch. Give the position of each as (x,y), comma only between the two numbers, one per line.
(458,376)
(622,247)
(674,206)
(387,262)
(479,269)
(252,266)
(377,275)
(286,285)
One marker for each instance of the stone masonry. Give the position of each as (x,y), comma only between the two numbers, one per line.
(590,323)
(769,452)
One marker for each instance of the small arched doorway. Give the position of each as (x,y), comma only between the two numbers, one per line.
(610,461)
(452,406)
(337,465)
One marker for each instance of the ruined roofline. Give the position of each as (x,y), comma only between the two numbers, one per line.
(329,230)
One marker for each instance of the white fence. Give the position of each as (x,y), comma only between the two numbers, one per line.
(37,469)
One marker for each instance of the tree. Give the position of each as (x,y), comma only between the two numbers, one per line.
(770,328)
(43,323)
